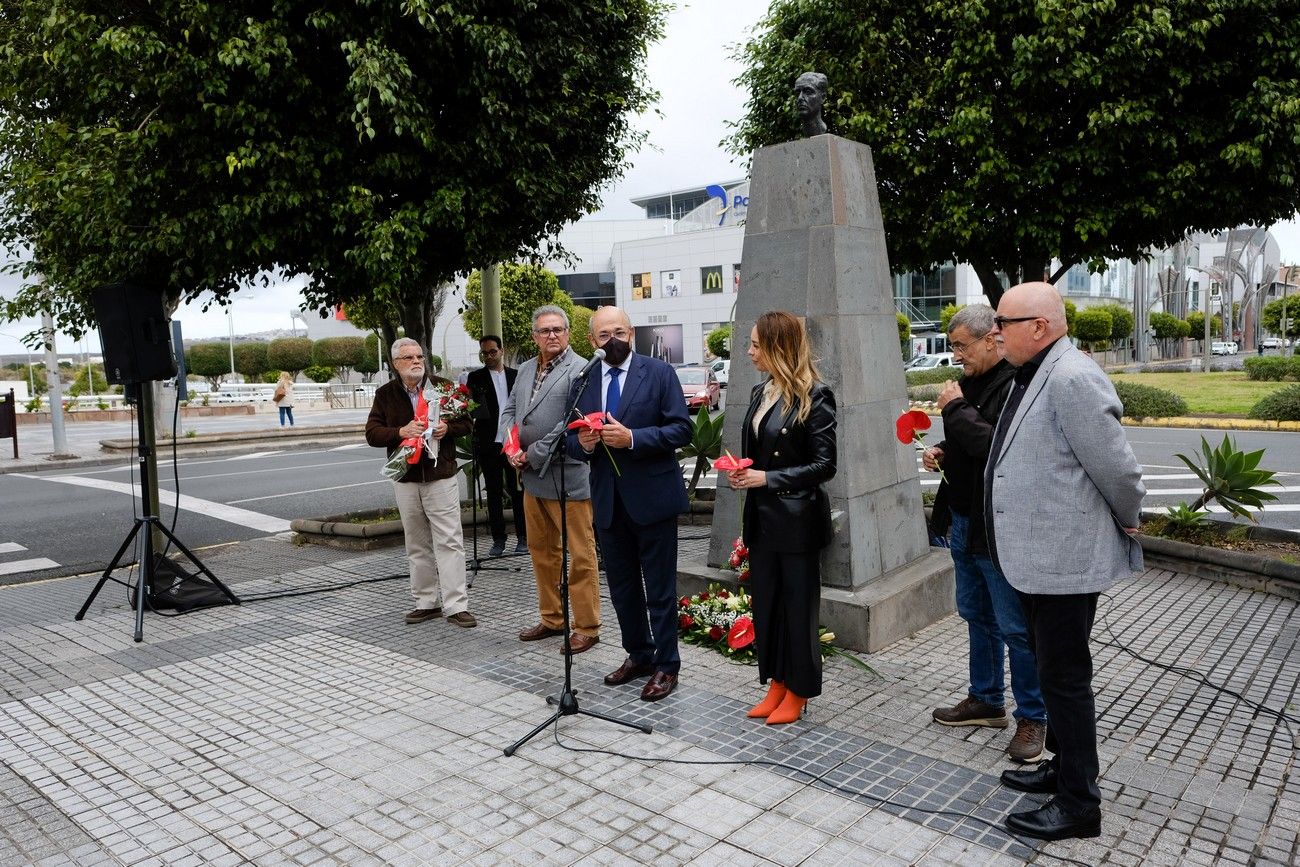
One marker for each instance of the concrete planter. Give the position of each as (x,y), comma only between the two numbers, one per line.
(1238,568)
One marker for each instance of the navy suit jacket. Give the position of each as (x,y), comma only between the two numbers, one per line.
(649,479)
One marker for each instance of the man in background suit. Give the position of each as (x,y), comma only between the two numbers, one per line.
(637,494)
(490,387)
(1063,493)
(538,404)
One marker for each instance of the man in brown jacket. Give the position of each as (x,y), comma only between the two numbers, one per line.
(428,497)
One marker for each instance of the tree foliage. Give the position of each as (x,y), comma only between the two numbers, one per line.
(1121,321)
(380,148)
(289,353)
(717,341)
(524,288)
(580,330)
(340,354)
(1092,326)
(250,360)
(1271,316)
(210,361)
(1005,134)
(946,315)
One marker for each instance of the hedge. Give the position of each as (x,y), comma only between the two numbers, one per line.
(1145,401)
(1268,368)
(935,374)
(1281,405)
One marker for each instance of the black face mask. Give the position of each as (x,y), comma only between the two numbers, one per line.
(616,351)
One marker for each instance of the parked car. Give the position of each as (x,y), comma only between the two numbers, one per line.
(930,362)
(721,371)
(1276,342)
(1223,347)
(699,387)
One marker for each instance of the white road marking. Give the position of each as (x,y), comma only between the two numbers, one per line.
(167,477)
(220,511)
(1182,492)
(312,491)
(254,455)
(351,446)
(17,566)
(10,548)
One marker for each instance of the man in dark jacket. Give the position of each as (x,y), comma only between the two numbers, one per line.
(985,600)
(490,386)
(428,497)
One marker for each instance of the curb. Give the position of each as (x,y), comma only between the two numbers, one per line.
(929,408)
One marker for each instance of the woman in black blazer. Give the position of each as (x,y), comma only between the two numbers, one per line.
(789,432)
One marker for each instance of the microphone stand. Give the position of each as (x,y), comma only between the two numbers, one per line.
(475,564)
(566,703)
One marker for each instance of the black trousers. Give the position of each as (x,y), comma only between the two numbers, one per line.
(1059,627)
(641,570)
(498,478)
(786,594)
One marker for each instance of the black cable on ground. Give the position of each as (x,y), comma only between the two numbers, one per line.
(821,778)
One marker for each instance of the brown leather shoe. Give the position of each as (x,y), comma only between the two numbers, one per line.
(419,615)
(628,671)
(580,642)
(464,618)
(660,685)
(538,632)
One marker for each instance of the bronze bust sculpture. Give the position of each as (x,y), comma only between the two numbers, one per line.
(809,97)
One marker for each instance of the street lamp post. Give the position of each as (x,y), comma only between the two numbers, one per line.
(230,323)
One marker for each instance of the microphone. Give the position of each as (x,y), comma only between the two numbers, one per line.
(596,358)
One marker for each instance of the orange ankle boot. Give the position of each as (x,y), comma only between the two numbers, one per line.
(791,709)
(775,694)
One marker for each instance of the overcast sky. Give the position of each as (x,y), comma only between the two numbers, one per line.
(693,71)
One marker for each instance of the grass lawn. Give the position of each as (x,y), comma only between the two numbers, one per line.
(1226,393)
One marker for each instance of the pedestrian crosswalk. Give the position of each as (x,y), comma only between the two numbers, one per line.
(28,564)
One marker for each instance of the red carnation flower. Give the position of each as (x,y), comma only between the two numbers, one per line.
(686,621)
(909,423)
(743,576)
(723,594)
(684,601)
(704,597)
(715,633)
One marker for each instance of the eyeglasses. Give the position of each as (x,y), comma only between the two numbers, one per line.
(1004,321)
(621,334)
(410,358)
(489,352)
(550,332)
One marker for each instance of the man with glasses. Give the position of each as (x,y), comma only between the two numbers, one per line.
(538,403)
(490,387)
(988,604)
(638,492)
(1063,493)
(428,498)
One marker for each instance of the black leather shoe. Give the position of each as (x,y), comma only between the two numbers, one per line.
(1054,822)
(627,672)
(1040,781)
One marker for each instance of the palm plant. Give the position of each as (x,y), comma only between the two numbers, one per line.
(1231,478)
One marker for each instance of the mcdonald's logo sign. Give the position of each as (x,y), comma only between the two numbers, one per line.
(711,279)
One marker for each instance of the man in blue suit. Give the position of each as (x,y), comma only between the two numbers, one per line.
(637,493)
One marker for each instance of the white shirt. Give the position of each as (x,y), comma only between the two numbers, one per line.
(605,380)
(499,383)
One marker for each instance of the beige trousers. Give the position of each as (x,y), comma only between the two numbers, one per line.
(542,518)
(435,544)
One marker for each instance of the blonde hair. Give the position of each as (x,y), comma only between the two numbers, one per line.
(788,357)
(285,376)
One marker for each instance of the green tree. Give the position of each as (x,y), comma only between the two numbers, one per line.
(340,354)
(1006,134)
(717,341)
(379,148)
(1165,328)
(1121,321)
(250,360)
(318,373)
(368,364)
(580,336)
(524,288)
(1071,312)
(289,353)
(80,385)
(1271,316)
(946,315)
(1092,326)
(210,361)
(904,334)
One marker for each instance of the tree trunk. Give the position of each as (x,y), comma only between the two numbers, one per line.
(989,281)
(420,312)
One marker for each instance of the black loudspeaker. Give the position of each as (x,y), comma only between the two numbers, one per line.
(133,333)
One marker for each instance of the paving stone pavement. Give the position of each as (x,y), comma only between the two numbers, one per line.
(320,729)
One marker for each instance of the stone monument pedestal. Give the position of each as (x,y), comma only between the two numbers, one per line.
(815,246)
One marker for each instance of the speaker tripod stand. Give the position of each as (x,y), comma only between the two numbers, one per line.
(147,522)
(475,563)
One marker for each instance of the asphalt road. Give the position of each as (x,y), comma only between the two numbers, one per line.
(58,523)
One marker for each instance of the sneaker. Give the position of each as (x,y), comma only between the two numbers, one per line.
(970,712)
(497,549)
(522,547)
(420,615)
(1027,743)
(462,618)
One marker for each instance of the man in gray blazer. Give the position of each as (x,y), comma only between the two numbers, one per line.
(538,403)
(1062,496)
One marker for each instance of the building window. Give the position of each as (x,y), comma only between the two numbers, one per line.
(921,296)
(1077,280)
(589,290)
